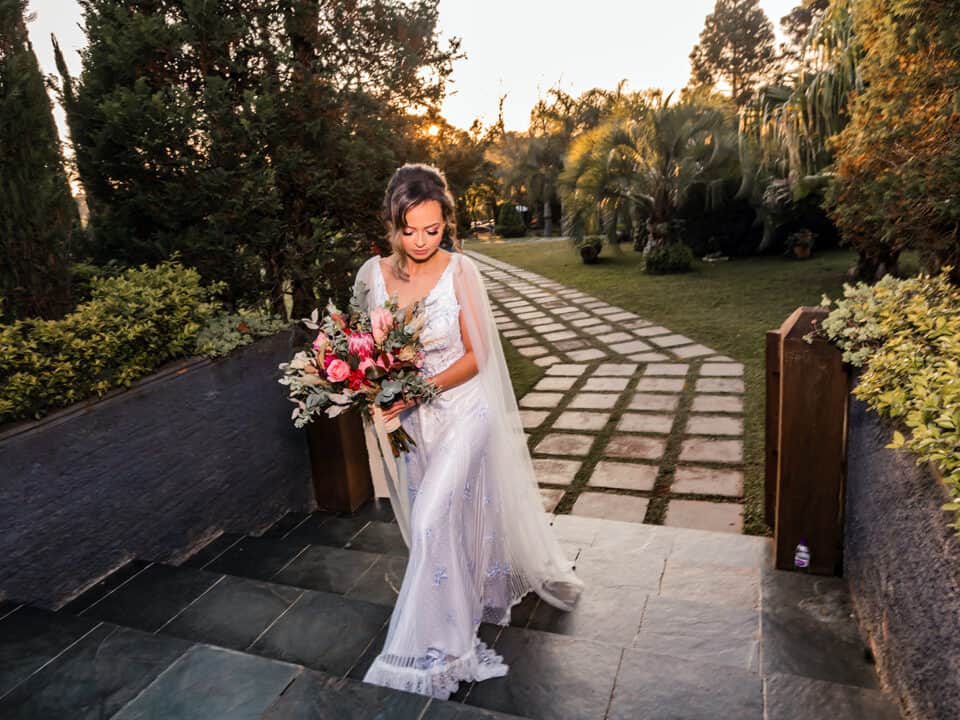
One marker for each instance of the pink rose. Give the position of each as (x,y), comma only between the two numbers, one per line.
(381,320)
(365,363)
(361,345)
(338,370)
(320,342)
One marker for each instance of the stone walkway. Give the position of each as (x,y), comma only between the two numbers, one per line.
(631,421)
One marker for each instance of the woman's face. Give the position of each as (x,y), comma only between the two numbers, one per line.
(423,231)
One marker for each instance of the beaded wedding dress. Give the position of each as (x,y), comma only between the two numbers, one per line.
(466,500)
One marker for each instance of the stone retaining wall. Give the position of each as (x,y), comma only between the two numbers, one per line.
(902,561)
(150,471)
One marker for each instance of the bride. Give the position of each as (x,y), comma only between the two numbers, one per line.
(466,497)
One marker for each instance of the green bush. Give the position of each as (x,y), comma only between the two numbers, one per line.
(671,257)
(131,324)
(510,222)
(589,248)
(224,333)
(905,334)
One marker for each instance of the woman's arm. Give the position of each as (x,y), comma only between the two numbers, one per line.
(461,370)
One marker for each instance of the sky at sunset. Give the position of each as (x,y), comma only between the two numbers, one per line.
(519,48)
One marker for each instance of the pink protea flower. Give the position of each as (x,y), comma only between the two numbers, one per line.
(361,344)
(365,363)
(381,320)
(338,370)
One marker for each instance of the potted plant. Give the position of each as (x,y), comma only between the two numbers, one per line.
(800,243)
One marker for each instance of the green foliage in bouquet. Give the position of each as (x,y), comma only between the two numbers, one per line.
(132,323)
(905,334)
(359,360)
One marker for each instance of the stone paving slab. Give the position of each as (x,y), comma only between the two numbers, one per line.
(645,423)
(555,470)
(610,506)
(705,515)
(696,480)
(623,476)
(714,425)
(717,403)
(581,420)
(565,444)
(616,385)
(647,401)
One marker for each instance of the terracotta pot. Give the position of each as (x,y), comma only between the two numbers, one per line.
(338,461)
(801,251)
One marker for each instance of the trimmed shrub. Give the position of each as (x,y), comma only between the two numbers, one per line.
(671,257)
(132,323)
(510,222)
(906,336)
(224,333)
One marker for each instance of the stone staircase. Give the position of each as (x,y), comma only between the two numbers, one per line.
(674,623)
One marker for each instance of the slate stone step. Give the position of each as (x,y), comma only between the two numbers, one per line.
(109,671)
(656,598)
(319,630)
(100,670)
(646,587)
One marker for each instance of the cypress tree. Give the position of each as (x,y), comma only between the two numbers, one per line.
(38,215)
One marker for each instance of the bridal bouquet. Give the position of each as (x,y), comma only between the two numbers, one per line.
(359,361)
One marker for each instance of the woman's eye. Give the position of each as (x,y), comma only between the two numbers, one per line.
(433,232)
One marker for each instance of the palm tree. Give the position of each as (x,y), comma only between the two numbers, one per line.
(785,129)
(644,166)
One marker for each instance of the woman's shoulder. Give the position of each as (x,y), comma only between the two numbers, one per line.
(463,261)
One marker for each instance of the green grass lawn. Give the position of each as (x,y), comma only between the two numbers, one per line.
(727,306)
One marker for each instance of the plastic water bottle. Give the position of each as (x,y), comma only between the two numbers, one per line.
(801,558)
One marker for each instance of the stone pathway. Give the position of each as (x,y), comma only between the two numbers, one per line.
(631,421)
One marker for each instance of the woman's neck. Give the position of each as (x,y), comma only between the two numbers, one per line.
(415,267)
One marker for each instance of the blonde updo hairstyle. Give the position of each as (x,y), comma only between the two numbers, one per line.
(412,184)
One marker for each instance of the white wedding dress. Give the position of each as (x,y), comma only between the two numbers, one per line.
(467,503)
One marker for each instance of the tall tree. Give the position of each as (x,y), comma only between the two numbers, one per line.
(786,130)
(897,167)
(736,45)
(255,136)
(37,212)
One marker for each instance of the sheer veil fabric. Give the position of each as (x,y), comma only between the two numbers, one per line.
(527,556)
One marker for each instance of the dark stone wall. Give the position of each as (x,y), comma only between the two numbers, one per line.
(903,565)
(151,472)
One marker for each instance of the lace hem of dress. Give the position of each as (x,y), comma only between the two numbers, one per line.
(441,680)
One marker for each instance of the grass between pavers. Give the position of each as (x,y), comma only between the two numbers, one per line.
(727,306)
(524,373)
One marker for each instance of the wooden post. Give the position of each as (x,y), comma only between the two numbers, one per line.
(811,446)
(338,460)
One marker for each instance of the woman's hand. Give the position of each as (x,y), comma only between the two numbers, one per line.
(397,407)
